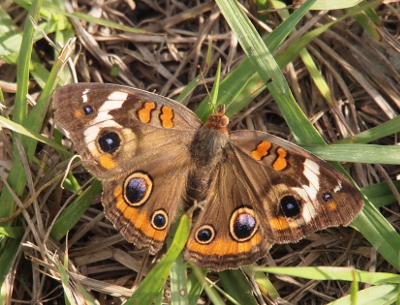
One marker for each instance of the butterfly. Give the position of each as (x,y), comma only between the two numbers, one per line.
(154,155)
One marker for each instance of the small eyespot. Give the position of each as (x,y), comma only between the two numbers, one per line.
(137,188)
(205,234)
(159,220)
(109,141)
(88,110)
(243,224)
(327,196)
(290,206)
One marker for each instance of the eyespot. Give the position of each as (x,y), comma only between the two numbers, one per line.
(88,110)
(159,220)
(243,224)
(205,234)
(290,206)
(109,141)
(137,188)
(327,196)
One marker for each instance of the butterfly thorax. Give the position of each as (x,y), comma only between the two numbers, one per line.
(208,150)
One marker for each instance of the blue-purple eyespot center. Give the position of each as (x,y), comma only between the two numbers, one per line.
(327,196)
(88,110)
(244,226)
(136,189)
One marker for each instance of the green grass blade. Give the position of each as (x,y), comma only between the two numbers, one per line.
(178,278)
(334,273)
(380,194)
(74,212)
(380,233)
(357,153)
(334,4)
(13,232)
(211,291)
(16,178)
(6,123)
(376,295)
(23,63)
(195,287)
(385,129)
(8,254)
(236,285)
(177,275)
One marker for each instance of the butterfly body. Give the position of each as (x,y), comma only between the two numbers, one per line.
(208,150)
(153,154)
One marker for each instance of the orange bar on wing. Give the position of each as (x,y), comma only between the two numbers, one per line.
(144,114)
(166,116)
(261,150)
(281,162)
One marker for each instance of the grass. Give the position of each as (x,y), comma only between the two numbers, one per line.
(347,88)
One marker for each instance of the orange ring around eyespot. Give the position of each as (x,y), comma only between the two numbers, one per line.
(212,230)
(160,211)
(232,222)
(149,188)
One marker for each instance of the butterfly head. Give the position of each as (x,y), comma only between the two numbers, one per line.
(218,120)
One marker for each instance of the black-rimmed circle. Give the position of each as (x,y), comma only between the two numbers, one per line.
(109,141)
(137,188)
(290,206)
(205,234)
(243,224)
(159,220)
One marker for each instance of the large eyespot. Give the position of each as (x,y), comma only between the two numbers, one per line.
(109,141)
(137,188)
(88,110)
(205,234)
(290,206)
(159,220)
(243,224)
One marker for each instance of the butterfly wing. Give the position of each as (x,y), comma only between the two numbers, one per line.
(267,191)
(115,127)
(144,203)
(215,240)
(137,143)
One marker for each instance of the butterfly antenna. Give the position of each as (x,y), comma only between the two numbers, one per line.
(205,86)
